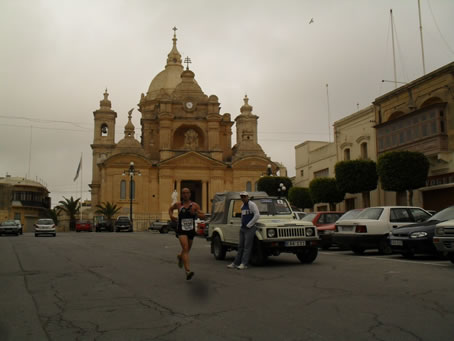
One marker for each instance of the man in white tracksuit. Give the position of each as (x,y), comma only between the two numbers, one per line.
(249,216)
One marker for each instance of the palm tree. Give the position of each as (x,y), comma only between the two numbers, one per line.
(108,210)
(71,207)
(54,213)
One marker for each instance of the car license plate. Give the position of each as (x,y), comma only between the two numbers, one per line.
(295,243)
(397,242)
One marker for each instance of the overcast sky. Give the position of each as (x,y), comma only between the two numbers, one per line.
(57,57)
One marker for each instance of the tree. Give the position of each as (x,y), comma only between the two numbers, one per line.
(300,197)
(108,210)
(325,190)
(270,184)
(71,207)
(403,171)
(357,176)
(54,214)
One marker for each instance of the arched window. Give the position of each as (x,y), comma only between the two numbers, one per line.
(248,186)
(364,151)
(122,189)
(347,154)
(256,186)
(104,130)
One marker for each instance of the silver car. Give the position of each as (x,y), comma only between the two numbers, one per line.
(45,226)
(10,227)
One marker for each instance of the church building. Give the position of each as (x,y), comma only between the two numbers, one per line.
(184,142)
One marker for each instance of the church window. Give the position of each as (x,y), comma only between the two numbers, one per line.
(347,154)
(122,189)
(104,130)
(248,186)
(364,150)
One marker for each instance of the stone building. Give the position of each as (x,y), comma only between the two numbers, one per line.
(184,142)
(419,116)
(23,199)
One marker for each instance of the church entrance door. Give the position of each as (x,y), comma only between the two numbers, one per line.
(196,190)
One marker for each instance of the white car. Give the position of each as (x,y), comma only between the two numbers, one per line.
(45,226)
(444,238)
(370,229)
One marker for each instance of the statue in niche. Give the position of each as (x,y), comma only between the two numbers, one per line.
(191,139)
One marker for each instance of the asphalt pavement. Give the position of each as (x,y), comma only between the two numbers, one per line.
(127,286)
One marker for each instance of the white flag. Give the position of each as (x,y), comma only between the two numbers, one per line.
(78,169)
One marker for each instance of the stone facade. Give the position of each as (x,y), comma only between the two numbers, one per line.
(23,199)
(419,116)
(184,142)
(355,139)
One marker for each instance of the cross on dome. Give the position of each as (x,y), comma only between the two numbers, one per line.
(187,60)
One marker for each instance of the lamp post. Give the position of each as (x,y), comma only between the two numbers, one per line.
(269,170)
(131,171)
(281,189)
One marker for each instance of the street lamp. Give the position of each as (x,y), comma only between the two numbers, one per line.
(269,171)
(131,172)
(281,189)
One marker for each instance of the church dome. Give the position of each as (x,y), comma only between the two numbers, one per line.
(170,77)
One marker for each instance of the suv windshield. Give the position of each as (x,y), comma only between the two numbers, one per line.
(272,206)
(370,213)
(446,214)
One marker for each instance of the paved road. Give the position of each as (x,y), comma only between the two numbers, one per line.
(127,286)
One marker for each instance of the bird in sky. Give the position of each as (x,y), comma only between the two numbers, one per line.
(312,20)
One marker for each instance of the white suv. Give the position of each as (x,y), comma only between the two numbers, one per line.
(370,229)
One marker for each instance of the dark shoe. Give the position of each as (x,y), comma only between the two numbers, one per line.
(189,275)
(180,261)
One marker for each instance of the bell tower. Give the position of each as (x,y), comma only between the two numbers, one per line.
(103,141)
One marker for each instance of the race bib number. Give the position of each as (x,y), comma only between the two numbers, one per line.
(187,224)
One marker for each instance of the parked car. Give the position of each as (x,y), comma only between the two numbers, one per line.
(104,225)
(371,228)
(162,226)
(45,226)
(123,223)
(202,225)
(321,220)
(277,229)
(20,225)
(325,232)
(418,238)
(84,225)
(10,227)
(444,238)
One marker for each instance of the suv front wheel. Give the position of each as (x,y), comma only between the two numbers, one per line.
(308,255)
(219,250)
(259,255)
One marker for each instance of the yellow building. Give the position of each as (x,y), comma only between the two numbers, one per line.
(24,200)
(419,116)
(184,142)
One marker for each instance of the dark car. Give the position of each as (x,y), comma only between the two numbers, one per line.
(123,223)
(418,238)
(10,227)
(321,220)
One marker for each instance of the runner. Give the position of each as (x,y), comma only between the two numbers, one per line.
(188,212)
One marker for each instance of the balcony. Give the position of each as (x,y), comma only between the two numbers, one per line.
(423,130)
